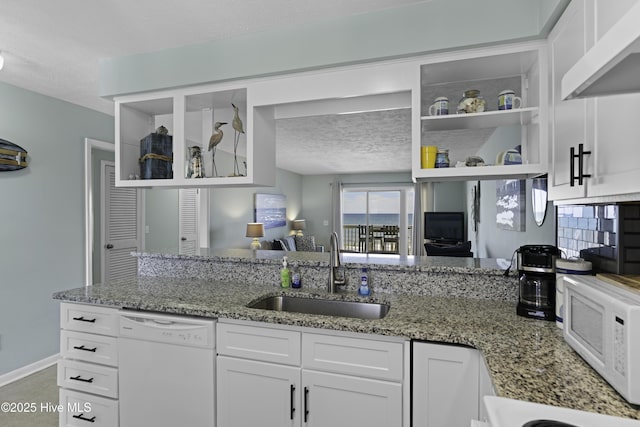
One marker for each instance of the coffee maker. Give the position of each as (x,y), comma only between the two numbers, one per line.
(537,281)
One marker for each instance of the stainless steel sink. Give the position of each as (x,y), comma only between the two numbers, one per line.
(326,307)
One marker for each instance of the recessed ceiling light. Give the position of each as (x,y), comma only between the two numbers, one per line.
(1,60)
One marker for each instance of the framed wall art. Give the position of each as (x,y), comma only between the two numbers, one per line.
(511,204)
(271,210)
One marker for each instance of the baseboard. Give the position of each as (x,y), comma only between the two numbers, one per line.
(19,373)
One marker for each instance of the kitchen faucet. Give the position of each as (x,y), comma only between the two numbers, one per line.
(334,264)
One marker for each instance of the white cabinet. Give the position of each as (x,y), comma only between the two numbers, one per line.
(189,115)
(445,385)
(518,67)
(336,382)
(567,44)
(88,370)
(335,400)
(253,393)
(603,126)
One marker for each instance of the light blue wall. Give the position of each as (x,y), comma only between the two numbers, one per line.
(41,219)
(232,208)
(398,32)
(490,241)
(161,218)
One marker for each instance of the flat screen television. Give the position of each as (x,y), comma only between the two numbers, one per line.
(444,226)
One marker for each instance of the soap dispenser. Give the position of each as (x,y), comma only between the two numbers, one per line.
(364,289)
(285,277)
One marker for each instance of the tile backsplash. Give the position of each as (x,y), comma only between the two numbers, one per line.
(607,235)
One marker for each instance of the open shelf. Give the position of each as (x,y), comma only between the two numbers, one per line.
(481,173)
(487,119)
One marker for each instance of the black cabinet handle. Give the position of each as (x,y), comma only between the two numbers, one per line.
(292,398)
(82,319)
(306,404)
(83,348)
(580,156)
(80,417)
(79,378)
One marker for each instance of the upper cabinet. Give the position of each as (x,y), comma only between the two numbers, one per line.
(214,138)
(611,65)
(195,118)
(490,71)
(593,140)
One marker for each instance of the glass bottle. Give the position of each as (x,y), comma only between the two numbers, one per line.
(471,102)
(442,158)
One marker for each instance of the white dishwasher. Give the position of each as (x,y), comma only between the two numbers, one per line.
(166,370)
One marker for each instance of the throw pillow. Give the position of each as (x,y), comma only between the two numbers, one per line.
(306,243)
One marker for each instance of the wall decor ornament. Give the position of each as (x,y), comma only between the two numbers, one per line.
(511,203)
(271,210)
(215,139)
(12,156)
(238,129)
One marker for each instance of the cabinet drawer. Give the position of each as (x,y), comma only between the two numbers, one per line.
(353,356)
(83,409)
(89,347)
(265,344)
(81,376)
(89,318)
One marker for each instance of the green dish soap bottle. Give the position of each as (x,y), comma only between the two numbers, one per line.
(285,277)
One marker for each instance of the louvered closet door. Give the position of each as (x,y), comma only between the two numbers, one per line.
(188,219)
(121,229)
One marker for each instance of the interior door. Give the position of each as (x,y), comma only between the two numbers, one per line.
(120,227)
(188,220)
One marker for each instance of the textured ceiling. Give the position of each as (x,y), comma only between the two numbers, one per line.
(349,143)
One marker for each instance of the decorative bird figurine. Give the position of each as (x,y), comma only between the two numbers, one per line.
(215,139)
(238,129)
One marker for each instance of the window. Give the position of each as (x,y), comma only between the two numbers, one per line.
(377,220)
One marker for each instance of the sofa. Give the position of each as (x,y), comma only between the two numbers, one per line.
(295,244)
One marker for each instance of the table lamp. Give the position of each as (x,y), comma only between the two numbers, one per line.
(255,230)
(298,225)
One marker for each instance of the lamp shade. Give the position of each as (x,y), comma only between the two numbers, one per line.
(298,224)
(255,229)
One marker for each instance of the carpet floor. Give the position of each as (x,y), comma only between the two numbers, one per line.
(25,402)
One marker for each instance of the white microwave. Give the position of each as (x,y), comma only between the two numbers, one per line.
(602,324)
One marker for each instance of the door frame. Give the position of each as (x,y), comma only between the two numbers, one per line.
(89,219)
(90,145)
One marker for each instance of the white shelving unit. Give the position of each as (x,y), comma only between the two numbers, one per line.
(190,114)
(520,67)
(487,119)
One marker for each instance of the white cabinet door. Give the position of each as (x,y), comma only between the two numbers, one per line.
(335,400)
(252,393)
(445,385)
(567,43)
(616,152)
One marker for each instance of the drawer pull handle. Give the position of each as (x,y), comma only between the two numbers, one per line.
(83,348)
(81,417)
(79,378)
(291,399)
(306,404)
(82,319)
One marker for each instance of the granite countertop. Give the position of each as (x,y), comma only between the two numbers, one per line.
(527,359)
(490,266)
